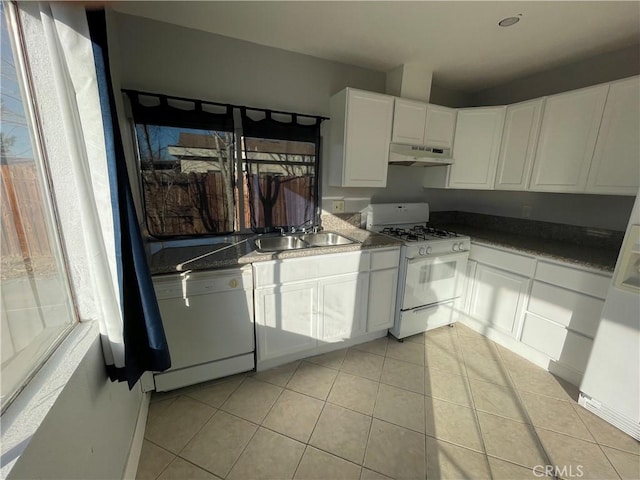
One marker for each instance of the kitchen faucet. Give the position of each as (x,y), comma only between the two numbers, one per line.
(301,228)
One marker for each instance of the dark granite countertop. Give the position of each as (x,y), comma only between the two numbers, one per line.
(238,250)
(585,247)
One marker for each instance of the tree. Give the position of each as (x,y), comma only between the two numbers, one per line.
(178,170)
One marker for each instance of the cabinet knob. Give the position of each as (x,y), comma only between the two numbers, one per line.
(233,283)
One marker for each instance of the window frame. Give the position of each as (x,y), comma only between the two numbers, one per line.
(238,184)
(15,33)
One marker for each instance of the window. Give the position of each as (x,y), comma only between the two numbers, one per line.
(280,181)
(37,308)
(187,180)
(196,179)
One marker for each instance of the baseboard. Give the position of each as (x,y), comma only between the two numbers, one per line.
(621,422)
(131,467)
(529,353)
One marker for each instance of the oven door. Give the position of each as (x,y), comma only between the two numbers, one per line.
(433,279)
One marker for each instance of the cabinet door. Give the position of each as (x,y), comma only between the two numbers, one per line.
(286,319)
(367,135)
(562,345)
(440,126)
(615,168)
(342,310)
(568,135)
(476,146)
(382,299)
(519,140)
(409,119)
(468,285)
(498,298)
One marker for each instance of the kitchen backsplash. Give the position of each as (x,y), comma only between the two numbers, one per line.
(340,221)
(586,236)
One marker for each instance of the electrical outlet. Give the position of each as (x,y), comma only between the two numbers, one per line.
(337,206)
(526,211)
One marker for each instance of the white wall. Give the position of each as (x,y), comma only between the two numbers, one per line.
(164,58)
(88,432)
(590,71)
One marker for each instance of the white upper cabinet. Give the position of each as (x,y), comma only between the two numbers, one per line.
(418,123)
(440,126)
(568,135)
(519,140)
(409,119)
(615,168)
(360,133)
(476,146)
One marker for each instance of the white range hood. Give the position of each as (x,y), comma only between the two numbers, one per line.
(418,155)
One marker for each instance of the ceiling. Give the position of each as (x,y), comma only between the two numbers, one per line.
(460,42)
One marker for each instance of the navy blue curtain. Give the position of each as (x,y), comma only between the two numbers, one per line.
(145,343)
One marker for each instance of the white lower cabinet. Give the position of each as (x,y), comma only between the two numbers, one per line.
(497,288)
(305,305)
(563,314)
(287,319)
(341,307)
(498,297)
(545,311)
(382,286)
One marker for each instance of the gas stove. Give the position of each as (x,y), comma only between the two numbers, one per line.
(432,266)
(409,222)
(418,233)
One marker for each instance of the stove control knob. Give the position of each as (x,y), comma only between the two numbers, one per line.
(428,250)
(462,247)
(422,251)
(455,247)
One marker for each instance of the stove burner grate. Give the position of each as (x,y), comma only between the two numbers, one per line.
(418,233)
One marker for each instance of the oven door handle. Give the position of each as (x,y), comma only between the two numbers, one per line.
(431,305)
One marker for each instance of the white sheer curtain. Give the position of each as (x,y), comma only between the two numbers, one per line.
(68,103)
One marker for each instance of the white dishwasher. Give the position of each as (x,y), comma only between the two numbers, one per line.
(208,321)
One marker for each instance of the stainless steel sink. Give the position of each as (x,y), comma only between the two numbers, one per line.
(295,242)
(285,242)
(326,239)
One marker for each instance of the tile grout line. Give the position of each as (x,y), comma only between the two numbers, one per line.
(524,409)
(257,425)
(215,410)
(167,465)
(474,407)
(596,441)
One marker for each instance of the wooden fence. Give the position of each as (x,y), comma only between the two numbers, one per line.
(23,230)
(185,203)
(195,203)
(292,206)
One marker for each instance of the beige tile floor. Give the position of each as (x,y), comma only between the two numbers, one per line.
(446,404)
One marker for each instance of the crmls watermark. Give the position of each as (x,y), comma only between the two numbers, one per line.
(564,471)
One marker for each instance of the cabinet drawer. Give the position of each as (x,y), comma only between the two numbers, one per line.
(511,262)
(558,343)
(292,270)
(385,259)
(576,311)
(574,279)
